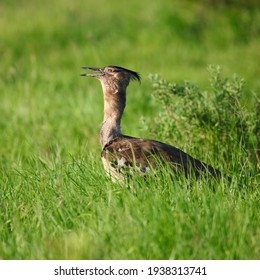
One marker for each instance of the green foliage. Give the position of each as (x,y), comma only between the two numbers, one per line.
(55,200)
(213,119)
(72,211)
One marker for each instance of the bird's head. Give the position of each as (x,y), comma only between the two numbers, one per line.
(113,77)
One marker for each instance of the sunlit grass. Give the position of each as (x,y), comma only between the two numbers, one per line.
(73,211)
(55,199)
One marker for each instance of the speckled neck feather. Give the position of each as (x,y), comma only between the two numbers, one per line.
(114,105)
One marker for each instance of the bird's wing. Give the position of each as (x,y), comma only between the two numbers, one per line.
(127,152)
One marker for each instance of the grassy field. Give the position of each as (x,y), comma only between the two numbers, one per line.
(55,200)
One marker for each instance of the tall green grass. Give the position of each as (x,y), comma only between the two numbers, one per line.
(73,211)
(55,200)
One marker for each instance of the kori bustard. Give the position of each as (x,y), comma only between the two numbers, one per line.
(122,154)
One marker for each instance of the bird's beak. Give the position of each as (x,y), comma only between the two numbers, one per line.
(99,70)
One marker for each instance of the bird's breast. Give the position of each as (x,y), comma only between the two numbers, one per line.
(122,157)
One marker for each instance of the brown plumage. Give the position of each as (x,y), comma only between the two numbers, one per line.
(123,154)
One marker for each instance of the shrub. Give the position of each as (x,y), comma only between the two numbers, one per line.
(212,123)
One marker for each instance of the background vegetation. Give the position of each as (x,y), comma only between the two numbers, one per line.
(55,199)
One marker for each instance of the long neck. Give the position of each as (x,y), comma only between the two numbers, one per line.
(114,104)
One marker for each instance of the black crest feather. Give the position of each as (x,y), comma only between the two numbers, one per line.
(134,75)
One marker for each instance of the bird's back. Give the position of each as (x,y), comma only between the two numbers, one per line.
(125,154)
